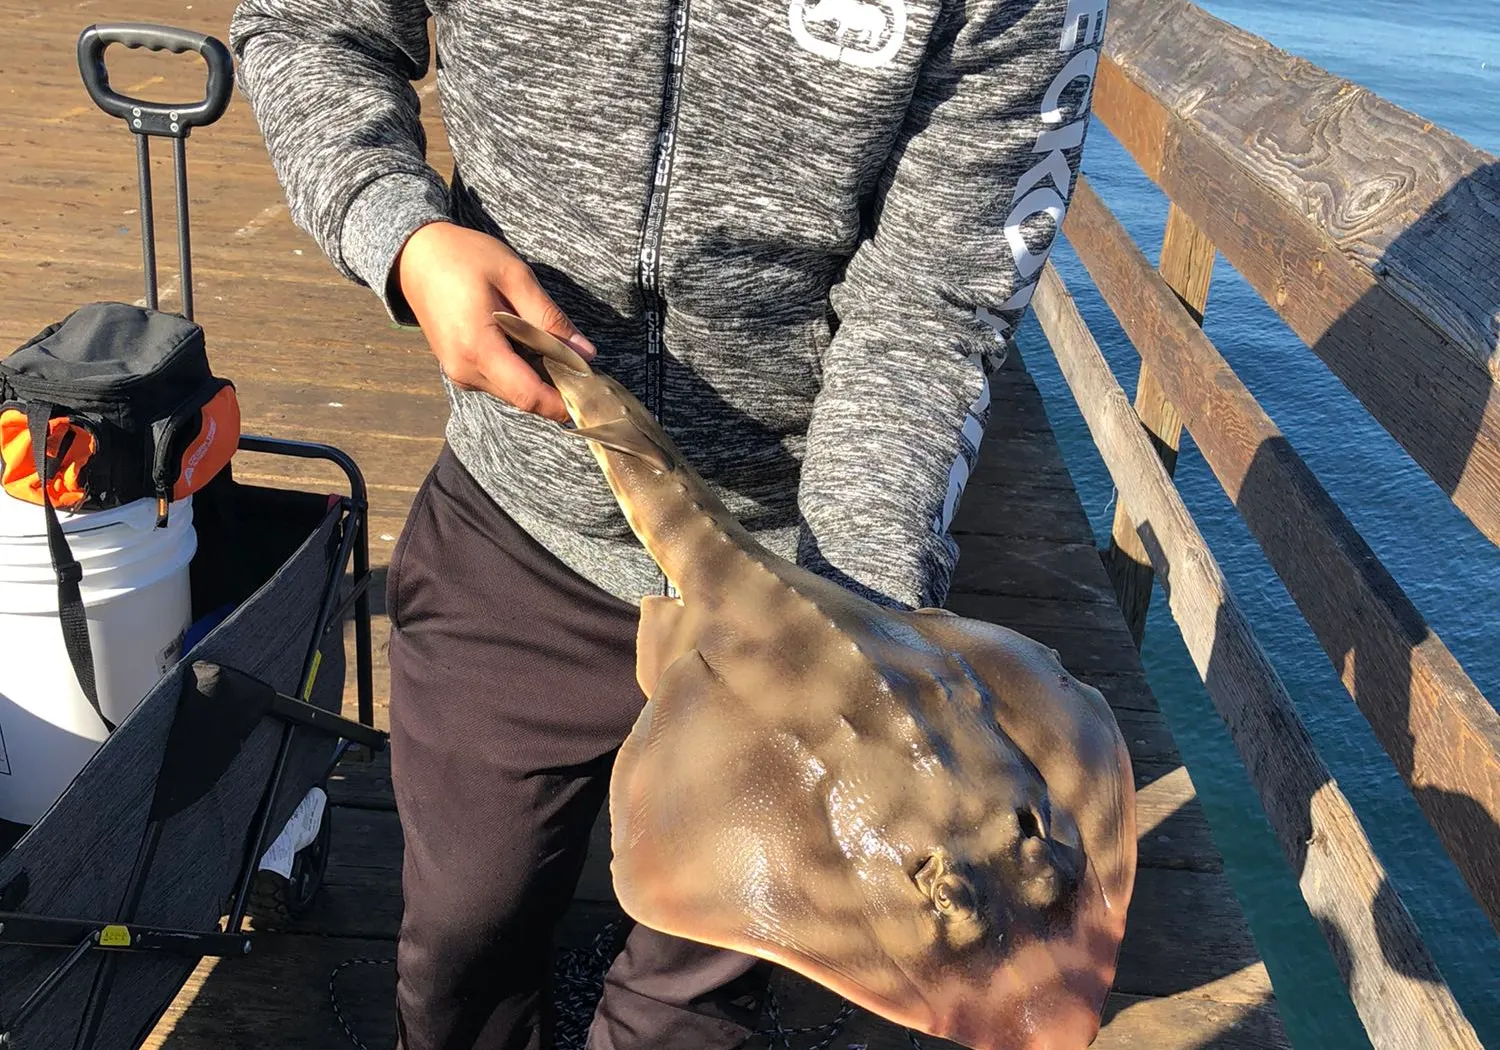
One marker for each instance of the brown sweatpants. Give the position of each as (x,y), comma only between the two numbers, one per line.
(512,685)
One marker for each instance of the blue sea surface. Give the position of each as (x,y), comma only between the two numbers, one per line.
(1440,60)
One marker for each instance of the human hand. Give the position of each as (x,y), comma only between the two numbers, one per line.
(455,280)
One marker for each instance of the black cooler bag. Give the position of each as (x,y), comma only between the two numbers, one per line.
(113,404)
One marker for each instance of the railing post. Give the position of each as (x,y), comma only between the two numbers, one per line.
(1187,265)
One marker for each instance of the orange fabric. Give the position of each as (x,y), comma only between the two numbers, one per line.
(18,462)
(214,445)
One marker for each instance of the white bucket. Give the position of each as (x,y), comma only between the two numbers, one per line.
(138,601)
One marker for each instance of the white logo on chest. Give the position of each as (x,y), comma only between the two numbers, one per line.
(856,32)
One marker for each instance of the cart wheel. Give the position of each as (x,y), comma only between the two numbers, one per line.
(274,899)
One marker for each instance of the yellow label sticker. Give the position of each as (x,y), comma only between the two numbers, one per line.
(312,675)
(114,937)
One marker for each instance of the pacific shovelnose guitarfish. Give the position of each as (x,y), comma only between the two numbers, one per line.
(924,813)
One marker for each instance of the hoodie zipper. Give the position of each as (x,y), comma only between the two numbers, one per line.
(649,273)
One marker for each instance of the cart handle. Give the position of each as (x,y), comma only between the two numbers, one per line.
(156,118)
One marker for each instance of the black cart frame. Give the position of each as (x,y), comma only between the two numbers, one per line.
(213,707)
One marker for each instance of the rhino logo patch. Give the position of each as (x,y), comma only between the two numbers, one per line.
(865,33)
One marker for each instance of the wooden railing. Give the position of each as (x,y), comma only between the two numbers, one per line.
(1376,237)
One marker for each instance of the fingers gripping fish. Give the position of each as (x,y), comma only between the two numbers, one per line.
(924,813)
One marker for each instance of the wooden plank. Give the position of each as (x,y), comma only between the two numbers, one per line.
(1127,691)
(1371,232)
(1395,986)
(1437,727)
(1030,453)
(280,994)
(121,254)
(1185,929)
(1135,118)
(398,459)
(1026,567)
(1129,1023)
(291,984)
(361,894)
(1023,611)
(247,312)
(1360,168)
(365,785)
(1171,828)
(274,404)
(1187,265)
(1003,510)
(1186,934)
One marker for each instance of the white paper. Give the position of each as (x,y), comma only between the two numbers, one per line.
(300,831)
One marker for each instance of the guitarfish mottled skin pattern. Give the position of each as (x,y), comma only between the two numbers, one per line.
(925,813)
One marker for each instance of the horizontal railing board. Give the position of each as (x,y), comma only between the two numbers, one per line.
(1372,233)
(1354,164)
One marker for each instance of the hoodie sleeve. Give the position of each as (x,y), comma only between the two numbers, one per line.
(966,212)
(330,84)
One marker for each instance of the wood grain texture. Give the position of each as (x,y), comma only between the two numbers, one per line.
(295,338)
(1439,730)
(1133,115)
(1357,166)
(1395,986)
(1187,265)
(1374,234)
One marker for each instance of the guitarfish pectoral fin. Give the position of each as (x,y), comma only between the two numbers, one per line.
(662,637)
(625,437)
(669,793)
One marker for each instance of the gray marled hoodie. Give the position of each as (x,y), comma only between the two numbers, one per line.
(802,232)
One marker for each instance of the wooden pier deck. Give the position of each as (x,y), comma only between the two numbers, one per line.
(314,358)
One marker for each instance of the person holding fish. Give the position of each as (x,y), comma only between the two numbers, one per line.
(800,234)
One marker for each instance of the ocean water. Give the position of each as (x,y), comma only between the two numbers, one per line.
(1439,59)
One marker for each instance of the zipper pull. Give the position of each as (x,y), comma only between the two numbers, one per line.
(161,511)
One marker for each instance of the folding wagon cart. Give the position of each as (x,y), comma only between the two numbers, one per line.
(109,902)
